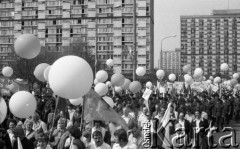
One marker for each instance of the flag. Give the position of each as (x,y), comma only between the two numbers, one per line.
(164,130)
(95,108)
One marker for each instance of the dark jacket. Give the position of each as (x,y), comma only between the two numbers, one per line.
(26,144)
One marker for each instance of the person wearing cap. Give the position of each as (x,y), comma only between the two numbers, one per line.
(19,139)
(98,142)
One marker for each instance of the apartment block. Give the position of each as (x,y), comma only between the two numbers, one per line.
(171,61)
(207,41)
(106,25)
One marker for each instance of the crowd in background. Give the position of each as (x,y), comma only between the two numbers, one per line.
(66,130)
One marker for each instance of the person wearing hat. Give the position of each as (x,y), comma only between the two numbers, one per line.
(19,139)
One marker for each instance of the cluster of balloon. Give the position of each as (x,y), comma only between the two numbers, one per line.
(140,71)
(110,62)
(3,110)
(22,104)
(217,80)
(172,77)
(39,71)
(117,79)
(160,74)
(109,101)
(101,89)
(102,76)
(7,71)
(70,77)
(76,102)
(135,87)
(187,68)
(224,67)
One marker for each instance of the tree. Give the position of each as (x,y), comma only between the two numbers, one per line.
(24,68)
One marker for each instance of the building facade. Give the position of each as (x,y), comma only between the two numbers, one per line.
(171,61)
(207,41)
(106,25)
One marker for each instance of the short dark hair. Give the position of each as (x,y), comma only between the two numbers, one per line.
(11,121)
(97,133)
(121,134)
(75,132)
(43,137)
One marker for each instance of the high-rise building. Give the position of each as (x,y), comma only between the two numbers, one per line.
(207,41)
(171,61)
(106,25)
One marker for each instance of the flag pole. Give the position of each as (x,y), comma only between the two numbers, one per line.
(82,120)
(54,115)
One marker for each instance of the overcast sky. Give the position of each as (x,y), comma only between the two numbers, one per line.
(167,18)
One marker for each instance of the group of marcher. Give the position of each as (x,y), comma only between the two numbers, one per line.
(195,116)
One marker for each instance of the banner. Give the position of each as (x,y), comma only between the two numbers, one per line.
(147,94)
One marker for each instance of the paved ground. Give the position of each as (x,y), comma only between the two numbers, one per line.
(236,127)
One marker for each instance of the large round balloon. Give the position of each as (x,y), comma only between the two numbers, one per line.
(27,46)
(149,85)
(126,84)
(140,71)
(46,73)
(76,102)
(110,62)
(109,101)
(235,76)
(102,76)
(101,89)
(217,80)
(117,79)
(22,104)
(135,87)
(3,110)
(224,67)
(39,71)
(70,77)
(234,82)
(198,71)
(160,74)
(172,77)
(187,68)
(7,71)
(14,87)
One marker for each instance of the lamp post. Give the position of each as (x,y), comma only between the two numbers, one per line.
(161,47)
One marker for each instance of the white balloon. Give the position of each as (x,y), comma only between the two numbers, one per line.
(126,84)
(172,77)
(101,89)
(118,89)
(235,75)
(102,76)
(110,62)
(39,71)
(76,102)
(3,110)
(224,67)
(70,77)
(109,101)
(160,74)
(149,85)
(217,80)
(140,71)
(96,81)
(108,83)
(211,77)
(209,81)
(198,71)
(7,71)
(46,73)
(22,104)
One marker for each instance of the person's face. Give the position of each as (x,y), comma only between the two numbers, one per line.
(181,116)
(11,125)
(41,144)
(98,140)
(61,114)
(125,111)
(35,118)
(197,114)
(157,107)
(61,124)
(29,126)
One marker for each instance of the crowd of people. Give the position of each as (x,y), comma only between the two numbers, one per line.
(49,128)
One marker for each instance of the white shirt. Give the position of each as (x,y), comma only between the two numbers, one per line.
(126,118)
(142,119)
(10,135)
(103,146)
(128,146)
(38,125)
